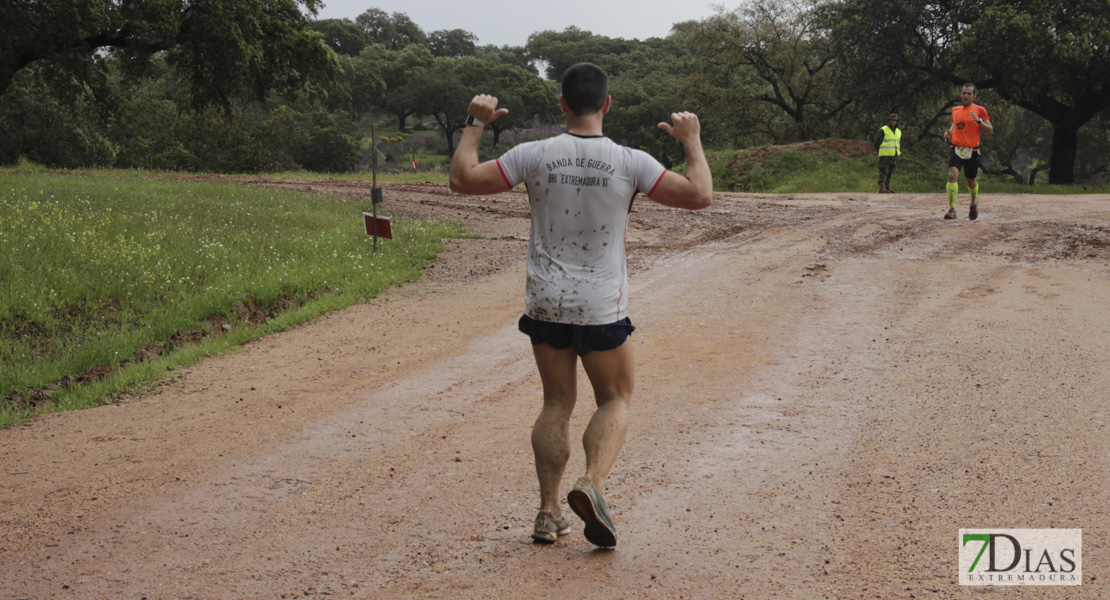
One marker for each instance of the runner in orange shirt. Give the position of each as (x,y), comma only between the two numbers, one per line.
(968,120)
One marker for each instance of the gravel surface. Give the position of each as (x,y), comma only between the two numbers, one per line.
(829,387)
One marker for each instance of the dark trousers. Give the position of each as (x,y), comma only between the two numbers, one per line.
(886,169)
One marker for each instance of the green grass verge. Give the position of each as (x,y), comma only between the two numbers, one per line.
(97,267)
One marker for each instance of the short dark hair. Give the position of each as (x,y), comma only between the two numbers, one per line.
(585,88)
(972,86)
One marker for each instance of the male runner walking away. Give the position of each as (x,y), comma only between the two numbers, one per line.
(968,120)
(580,190)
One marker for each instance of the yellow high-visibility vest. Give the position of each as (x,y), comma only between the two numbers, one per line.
(892,142)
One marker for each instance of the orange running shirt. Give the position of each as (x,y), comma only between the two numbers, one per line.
(965,130)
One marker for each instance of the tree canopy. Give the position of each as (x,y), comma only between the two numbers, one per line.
(774,59)
(226,47)
(452,44)
(563,49)
(394,31)
(344,36)
(403,73)
(262,85)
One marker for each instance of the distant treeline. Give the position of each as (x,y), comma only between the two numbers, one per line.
(256,85)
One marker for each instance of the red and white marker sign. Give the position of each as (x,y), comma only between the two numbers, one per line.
(385,229)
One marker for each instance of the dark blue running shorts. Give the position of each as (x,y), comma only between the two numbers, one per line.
(584,338)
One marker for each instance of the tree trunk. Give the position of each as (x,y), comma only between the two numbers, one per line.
(6,77)
(444,124)
(1065,141)
(450,135)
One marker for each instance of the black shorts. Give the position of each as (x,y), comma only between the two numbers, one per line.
(969,165)
(584,338)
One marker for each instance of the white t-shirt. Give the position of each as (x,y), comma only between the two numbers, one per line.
(580,190)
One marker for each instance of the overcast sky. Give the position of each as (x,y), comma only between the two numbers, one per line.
(510,22)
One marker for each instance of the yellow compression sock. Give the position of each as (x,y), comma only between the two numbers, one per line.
(953,191)
(974,193)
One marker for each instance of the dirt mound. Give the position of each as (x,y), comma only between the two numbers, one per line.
(841,148)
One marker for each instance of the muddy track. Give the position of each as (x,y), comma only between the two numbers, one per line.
(828,388)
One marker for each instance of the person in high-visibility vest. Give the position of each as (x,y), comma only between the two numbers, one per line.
(889,151)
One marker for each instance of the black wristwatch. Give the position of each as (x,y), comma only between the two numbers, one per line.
(470,120)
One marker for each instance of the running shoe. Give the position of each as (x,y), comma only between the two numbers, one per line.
(549,527)
(589,504)
(951,214)
(973,213)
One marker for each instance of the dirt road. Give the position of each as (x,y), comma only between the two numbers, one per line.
(828,389)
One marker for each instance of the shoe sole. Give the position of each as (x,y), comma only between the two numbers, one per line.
(598,532)
(974,214)
(549,538)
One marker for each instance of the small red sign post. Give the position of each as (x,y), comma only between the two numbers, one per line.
(378,226)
